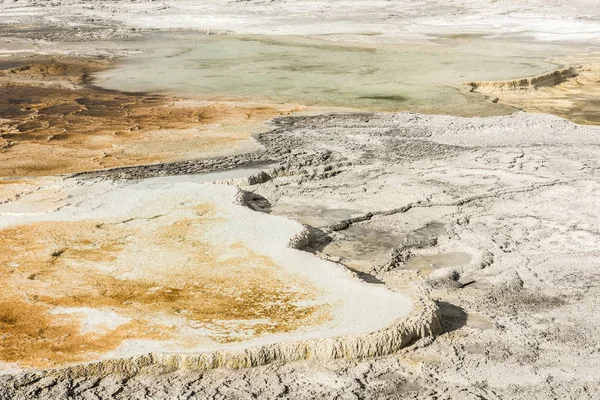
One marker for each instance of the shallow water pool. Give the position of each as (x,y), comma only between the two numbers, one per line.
(425,78)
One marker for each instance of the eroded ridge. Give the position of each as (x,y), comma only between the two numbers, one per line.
(549,79)
(423,322)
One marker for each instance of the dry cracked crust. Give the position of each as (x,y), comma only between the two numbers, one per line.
(518,313)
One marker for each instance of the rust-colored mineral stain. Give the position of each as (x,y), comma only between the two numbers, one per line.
(31,336)
(53,123)
(96,264)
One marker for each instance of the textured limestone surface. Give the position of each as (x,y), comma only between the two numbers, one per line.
(495,217)
(174,266)
(488,226)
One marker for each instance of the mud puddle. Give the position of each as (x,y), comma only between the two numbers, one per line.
(317,217)
(361,248)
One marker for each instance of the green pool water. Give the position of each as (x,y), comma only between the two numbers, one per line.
(425,78)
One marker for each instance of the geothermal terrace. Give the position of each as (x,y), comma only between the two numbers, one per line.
(117,271)
(312,199)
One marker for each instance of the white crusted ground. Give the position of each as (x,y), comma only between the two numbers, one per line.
(375,20)
(498,217)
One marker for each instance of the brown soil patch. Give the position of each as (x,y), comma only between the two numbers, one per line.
(52,122)
(156,272)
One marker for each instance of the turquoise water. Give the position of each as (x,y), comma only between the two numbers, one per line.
(426,78)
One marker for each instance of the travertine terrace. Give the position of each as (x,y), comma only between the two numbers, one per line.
(299,199)
(181,277)
(571,93)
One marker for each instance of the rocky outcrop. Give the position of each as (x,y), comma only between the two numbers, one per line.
(302,239)
(254,179)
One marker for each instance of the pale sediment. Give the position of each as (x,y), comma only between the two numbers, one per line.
(195,281)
